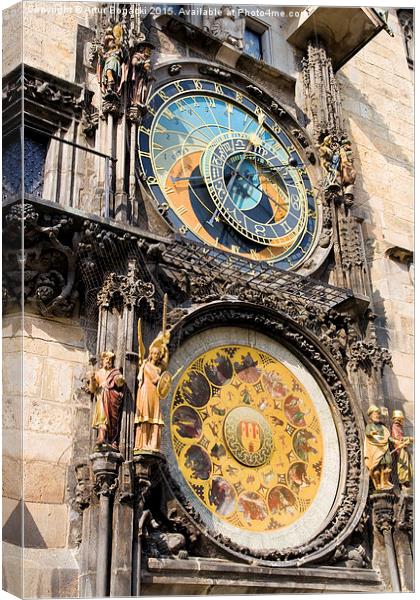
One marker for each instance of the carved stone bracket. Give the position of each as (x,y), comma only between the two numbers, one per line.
(383,513)
(84,486)
(105,466)
(122,288)
(90,114)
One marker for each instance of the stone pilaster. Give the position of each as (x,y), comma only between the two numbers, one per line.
(403,538)
(105,468)
(122,528)
(383,517)
(147,476)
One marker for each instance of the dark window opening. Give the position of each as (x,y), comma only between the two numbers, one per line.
(35,153)
(253,43)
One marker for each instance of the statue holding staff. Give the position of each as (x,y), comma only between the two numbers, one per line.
(107,385)
(154,385)
(401,442)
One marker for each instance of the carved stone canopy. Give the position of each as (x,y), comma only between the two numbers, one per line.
(330,23)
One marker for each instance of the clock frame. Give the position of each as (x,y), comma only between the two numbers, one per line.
(273,215)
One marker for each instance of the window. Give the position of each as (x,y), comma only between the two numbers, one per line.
(253,43)
(35,151)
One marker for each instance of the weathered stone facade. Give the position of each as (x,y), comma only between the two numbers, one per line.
(101,252)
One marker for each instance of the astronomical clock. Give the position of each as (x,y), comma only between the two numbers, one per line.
(225,172)
(253,436)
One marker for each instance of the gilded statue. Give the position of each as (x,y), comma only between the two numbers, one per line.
(107,385)
(329,159)
(110,61)
(378,458)
(154,385)
(337,163)
(401,442)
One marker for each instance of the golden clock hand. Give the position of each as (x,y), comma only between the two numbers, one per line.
(195,177)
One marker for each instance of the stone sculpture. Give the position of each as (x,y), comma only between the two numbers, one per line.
(226,26)
(401,442)
(140,74)
(107,385)
(378,458)
(154,384)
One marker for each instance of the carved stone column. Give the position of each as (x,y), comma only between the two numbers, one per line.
(383,522)
(322,95)
(105,467)
(147,476)
(122,528)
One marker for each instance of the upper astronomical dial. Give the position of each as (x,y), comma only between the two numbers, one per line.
(220,168)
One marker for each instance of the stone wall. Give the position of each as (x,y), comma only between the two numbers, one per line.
(378,100)
(46,438)
(50,35)
(12,37)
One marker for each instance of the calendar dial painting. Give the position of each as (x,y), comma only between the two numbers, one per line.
(249,443)
(224,172)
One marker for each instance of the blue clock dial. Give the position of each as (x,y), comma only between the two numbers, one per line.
(220,168)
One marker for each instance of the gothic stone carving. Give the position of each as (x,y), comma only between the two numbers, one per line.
(90,114)
(57,249)
(405,17)
(43,89)
(215,72)
(49,264)
(105,467)
(339,333)
(345,518)
(226,26)
(322,95)
(404,511)
(122,289)
(383,511)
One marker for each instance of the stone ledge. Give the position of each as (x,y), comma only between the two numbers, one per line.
(200,575)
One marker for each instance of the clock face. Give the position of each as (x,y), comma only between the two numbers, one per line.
(253,439)
(219,167)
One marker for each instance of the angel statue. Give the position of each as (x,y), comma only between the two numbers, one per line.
(154,385)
